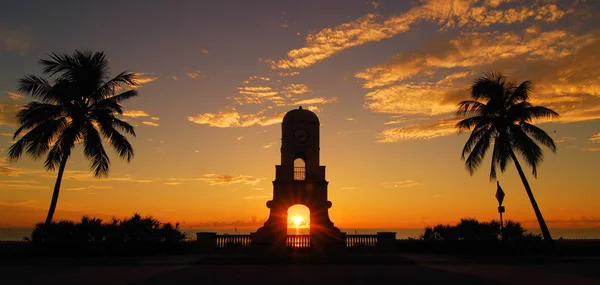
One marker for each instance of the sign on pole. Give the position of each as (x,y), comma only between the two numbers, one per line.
(499,194)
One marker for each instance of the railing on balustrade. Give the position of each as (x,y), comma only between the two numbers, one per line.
(295,241)
(361,240)
(298,241)
(227,241)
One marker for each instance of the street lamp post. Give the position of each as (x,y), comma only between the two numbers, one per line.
(500,197)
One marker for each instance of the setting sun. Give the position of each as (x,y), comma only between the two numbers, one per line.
(298,221)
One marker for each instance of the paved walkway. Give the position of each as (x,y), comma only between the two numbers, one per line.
(421,269)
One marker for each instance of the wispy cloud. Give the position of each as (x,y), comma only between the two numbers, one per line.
(135,113)
(220,179)
(401,184)
(426,130)
(14,96)
(16,40)
(8,113)
(198,74)
(595,138)
(233,119)
(295,89)
(150,123)
(317,100)
(327,42)
(142,79)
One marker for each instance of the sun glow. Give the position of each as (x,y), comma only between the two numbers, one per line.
(297,220)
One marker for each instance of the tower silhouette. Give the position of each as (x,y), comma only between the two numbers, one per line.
(300,179)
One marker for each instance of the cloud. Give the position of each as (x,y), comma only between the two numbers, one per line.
(295,89)
(595,138)
(291,73)
(154,118)
(220,179)
(427,130)
(448,14)
(257,197)
(471,50)
(204,51)
(591,149)
(149,123)
(10,171)
(140,79)
(196,74)
(8,112)
(401,184)
(233,119)
(317,100)
(14,96)
(17,40)
(17,202)
(135,113)
(257,95)
(256,77)
(424,98)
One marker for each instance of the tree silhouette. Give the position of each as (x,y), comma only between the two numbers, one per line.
(79,107)
(504,119)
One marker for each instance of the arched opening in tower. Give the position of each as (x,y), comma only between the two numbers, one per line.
(298,217)
(299,169)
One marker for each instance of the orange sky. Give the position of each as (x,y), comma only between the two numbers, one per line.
(383,76)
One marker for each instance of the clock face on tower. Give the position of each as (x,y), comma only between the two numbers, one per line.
(301,135)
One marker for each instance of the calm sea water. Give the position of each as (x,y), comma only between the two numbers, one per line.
(403,233)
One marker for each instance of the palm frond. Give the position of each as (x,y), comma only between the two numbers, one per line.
(530,151)
(476,135)
(119,142)
(110,87)
(478,152)
(94,151)
(470,107)
(38,88)
(520,93)
(539,135)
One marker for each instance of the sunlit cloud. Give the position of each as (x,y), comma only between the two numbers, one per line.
(240,138)
(295,89)
(595,138)
(154,118)
(422,98)
(257,197)
(14,96)
(314,109)
(220,179)
(401,184)
(82,188)
(10,171)
(257,95)
(150,123)
(196,74)
(447,14)
(8,112)
(317,100)
(427,130)
(233,119)
(135,113)
(204,51)
(17,202)
(141,79)
(16,40)
(591,149)
(256,77)
(470,50)
(286,74)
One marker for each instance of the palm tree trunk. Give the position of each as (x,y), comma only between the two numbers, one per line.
(61,170)
(536,209)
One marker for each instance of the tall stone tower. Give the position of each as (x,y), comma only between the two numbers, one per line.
(300,179)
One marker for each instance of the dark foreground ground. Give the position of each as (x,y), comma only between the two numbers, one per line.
(391,269)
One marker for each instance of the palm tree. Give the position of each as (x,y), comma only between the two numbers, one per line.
(80,107)
(504,118)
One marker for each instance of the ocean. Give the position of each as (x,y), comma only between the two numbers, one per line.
(15,234)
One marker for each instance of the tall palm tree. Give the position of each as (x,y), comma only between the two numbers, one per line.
(504,119)
(79,107)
